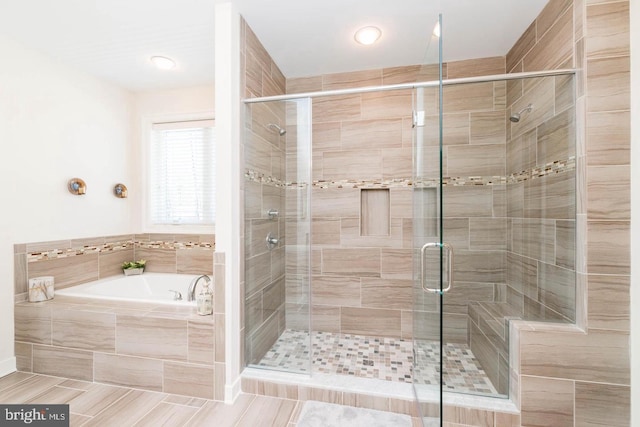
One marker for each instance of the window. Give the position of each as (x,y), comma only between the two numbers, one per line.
(182,173)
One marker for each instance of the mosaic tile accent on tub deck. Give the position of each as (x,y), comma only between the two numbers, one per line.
(559,166)
(383,358)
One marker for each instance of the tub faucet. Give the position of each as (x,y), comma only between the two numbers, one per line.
(191,293)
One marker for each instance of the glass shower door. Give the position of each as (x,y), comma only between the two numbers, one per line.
(432,256)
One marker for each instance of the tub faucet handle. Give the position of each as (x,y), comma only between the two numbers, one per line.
(177,296)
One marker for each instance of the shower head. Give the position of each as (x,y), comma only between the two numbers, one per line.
(515,118)
(277,128)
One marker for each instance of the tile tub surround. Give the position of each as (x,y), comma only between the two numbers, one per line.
(76,261)
(144,346)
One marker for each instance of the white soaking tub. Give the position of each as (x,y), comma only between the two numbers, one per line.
(154,288)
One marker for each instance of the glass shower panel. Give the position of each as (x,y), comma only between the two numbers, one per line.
(277,158)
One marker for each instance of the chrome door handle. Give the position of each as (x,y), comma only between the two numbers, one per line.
(449,250)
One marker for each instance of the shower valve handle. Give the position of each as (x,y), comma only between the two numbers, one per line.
(272,241)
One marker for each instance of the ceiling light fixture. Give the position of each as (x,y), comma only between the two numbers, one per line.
(368,35)
(163,63)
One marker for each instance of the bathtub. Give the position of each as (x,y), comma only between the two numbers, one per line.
(148,287)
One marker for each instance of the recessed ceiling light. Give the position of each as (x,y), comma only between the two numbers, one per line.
(163,63)
(368,35)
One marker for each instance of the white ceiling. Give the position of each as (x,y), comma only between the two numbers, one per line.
(113,39)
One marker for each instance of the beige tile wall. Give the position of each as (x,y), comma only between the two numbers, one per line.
(582,372)
(76,261)
(158,348)
(263,153)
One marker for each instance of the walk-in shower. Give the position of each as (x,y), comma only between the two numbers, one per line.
(368,180)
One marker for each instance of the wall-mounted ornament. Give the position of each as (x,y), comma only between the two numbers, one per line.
(77,186)
(120,191)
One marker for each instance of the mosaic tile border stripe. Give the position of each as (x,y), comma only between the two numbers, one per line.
(113,247)
(553,168)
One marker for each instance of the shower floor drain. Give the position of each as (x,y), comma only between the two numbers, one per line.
(388,359)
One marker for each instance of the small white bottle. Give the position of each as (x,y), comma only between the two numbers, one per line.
(204,301)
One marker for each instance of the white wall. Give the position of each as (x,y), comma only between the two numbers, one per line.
(635,213)
(170,105)
(56,123)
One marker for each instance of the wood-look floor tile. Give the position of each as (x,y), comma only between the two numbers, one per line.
(76,420)
(56,395)
(185,400)
(96,399)
(28,389)
(127,411)
(221,415)
(12,379)
(268,411)
(166,414)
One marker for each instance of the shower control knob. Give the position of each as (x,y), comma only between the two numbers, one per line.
(272,241)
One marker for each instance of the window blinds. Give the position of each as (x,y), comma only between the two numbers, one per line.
(182,173)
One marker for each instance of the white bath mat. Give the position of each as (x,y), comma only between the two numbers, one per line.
(320,414)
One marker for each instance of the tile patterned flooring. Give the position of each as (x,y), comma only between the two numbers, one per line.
(388,359)
(94,404)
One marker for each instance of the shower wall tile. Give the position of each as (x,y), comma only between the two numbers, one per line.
(464,293)
(549,15)
(608,192)
(396,263)
(487,233)
(304,84)
(351,262)
(546,401)
(353,164)
(608,29)
(336,291)
(325,318)
(476,67)
(370,321)
(559,35)
(602,404)
(487,128)
(608,302)
(557,289)
(566,244)
(372,134)
(352,79)
(396,163)
(336,108)
(383,105)
(480,266)
(468,97)
(456,232)
(353,234)
(387,293)
(476,160)
(521,152)
(20,282)
(336,203)
(499,95)
(404,74)
(607,138)
(556,138)
(547,197)
(608,248)
(608,84)
(521,47)
(468,201)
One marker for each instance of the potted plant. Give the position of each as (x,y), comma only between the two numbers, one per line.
(133,267)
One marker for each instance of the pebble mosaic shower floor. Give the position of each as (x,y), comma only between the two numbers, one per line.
(382,358)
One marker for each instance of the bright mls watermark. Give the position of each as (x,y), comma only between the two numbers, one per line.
(34,415)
